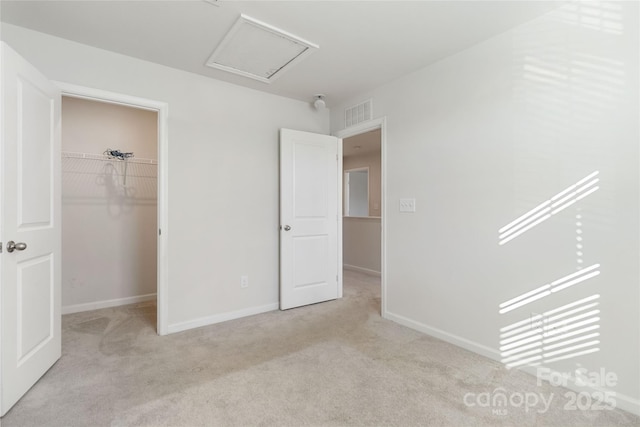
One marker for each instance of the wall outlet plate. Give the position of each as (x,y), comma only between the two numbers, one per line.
(244,281)
(407,205)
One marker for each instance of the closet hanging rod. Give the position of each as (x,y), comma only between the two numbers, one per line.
(102,157)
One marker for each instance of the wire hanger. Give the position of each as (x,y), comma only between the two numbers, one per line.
(117,154)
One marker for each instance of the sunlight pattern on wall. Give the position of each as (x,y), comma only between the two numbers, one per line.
(570,330)
(548,289)
(594,15)
(545,210)
(571,86)
(564,332)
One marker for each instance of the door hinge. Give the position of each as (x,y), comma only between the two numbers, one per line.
(336,157)
(0,247)
(159,231)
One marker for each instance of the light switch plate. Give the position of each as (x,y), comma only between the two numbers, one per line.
(407,205)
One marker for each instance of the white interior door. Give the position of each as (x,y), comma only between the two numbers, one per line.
(310,221)
(29,219)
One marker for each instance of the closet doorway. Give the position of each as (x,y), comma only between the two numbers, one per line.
(111,204)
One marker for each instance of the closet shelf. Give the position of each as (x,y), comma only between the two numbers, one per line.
(102,157)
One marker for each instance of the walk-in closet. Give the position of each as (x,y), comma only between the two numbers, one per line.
(109,204)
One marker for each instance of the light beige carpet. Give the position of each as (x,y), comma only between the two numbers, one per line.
(337,363)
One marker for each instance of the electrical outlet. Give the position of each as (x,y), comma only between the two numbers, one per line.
(407,205)
(244,281)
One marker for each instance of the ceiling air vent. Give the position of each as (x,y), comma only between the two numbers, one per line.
(358,113)
(259,51)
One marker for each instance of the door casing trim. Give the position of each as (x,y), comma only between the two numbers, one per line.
(379,123)
(162,108)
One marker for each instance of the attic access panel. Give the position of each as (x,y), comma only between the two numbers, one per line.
(259,51)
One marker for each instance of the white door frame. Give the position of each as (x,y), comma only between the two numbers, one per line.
(379,123)
(162,109)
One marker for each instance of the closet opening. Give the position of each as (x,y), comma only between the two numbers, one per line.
(109,206)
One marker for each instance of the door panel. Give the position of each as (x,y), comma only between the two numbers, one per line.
(311,262)
(310,181)
(309,214)
(35,142)
(29,214)
(35,306)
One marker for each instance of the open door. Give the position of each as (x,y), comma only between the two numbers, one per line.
(310,218)
(29,227)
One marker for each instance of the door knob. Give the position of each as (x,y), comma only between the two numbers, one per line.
(287,228)
(11,246)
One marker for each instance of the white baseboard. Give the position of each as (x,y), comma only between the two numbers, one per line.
(628,404)
(361,270)
(445,336)
(217,318)
(77,308)
(623,402)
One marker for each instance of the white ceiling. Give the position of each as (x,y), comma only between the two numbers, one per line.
(362,44)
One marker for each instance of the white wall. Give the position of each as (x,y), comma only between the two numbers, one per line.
(486,135)
(108,226)
(361,244)
(222,172)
